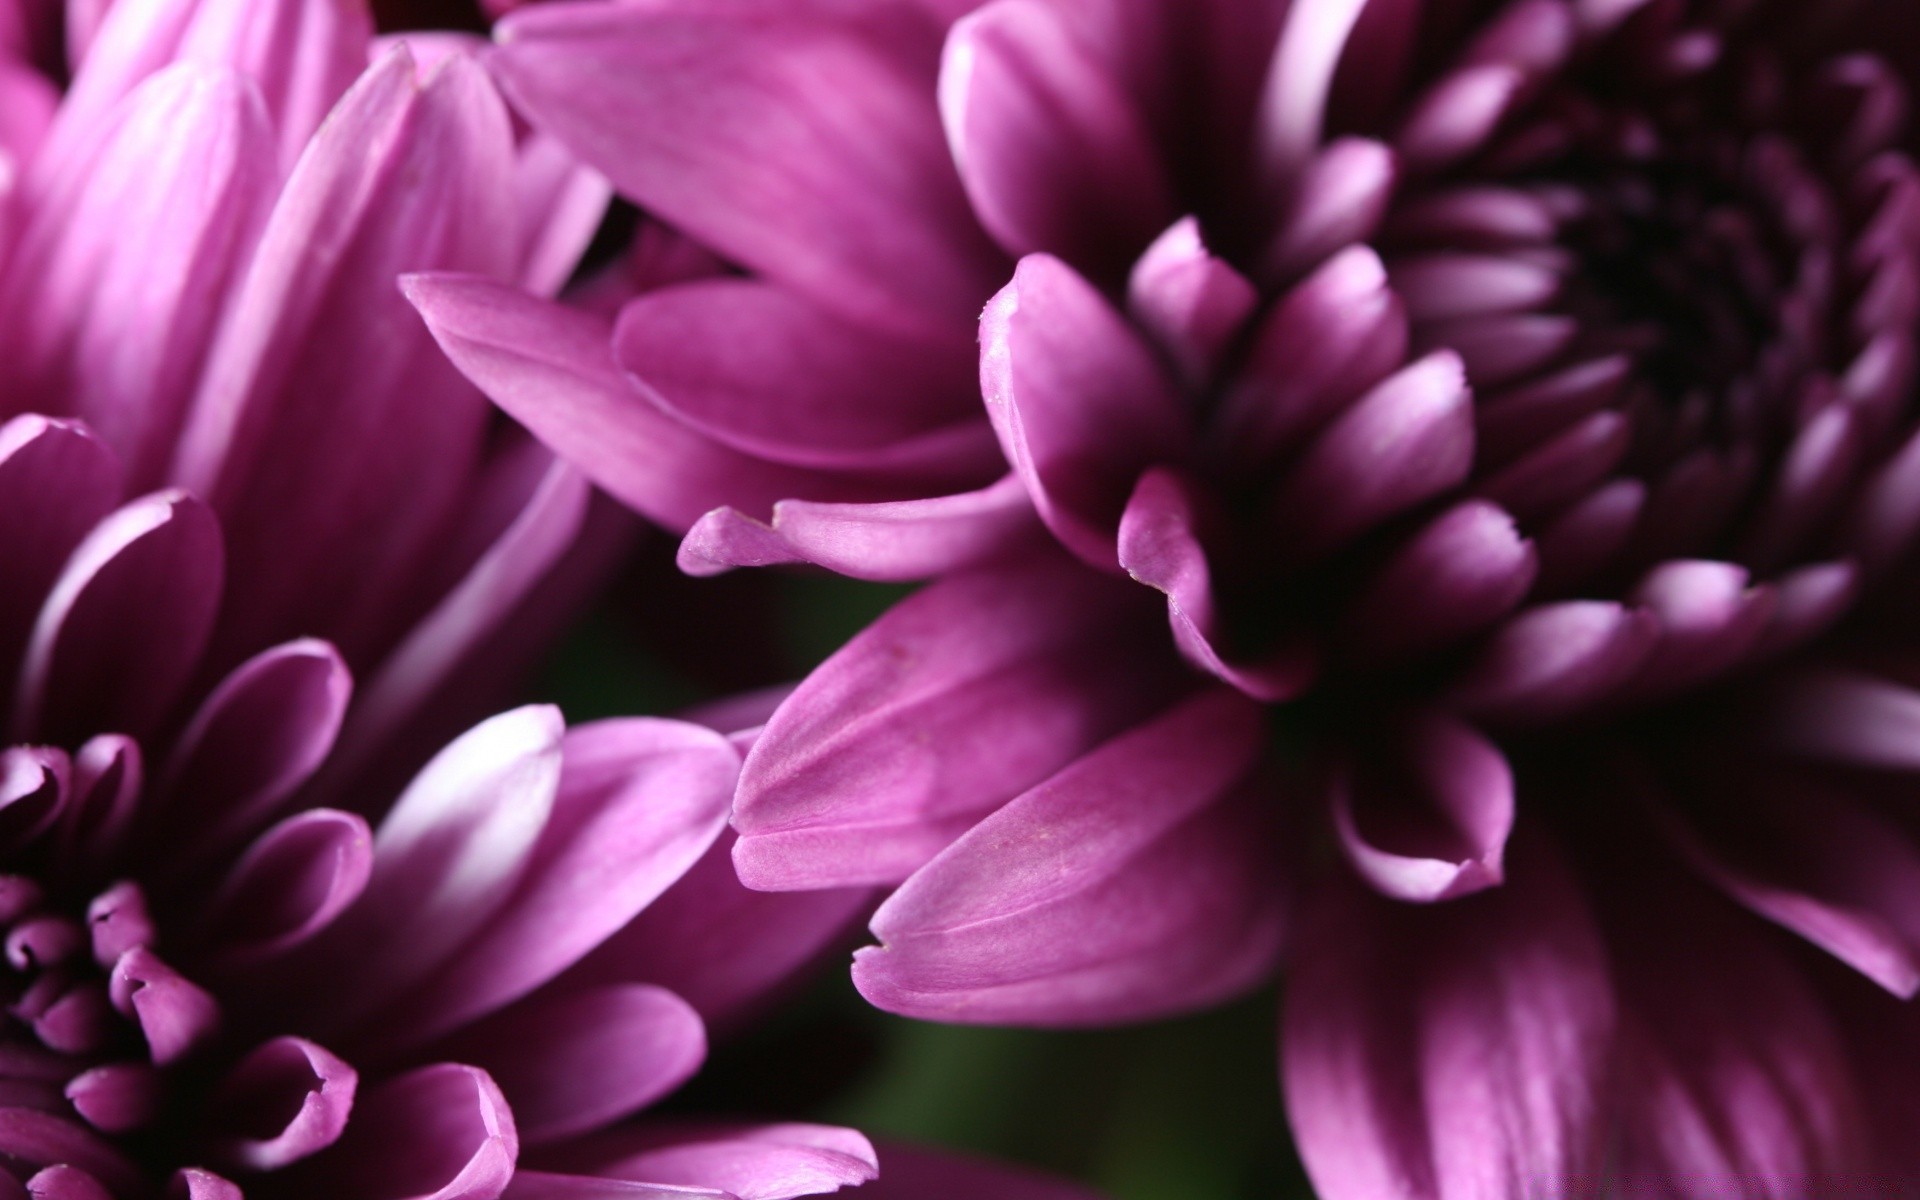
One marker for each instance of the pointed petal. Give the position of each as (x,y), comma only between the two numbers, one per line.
(639,801)
(1463,571)
(1079,404)
(553,370)
(958,699)
(1190,301)
(1142,880)
(288,887)
(751,1162)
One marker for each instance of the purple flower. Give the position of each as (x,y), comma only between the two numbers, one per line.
(1509,407)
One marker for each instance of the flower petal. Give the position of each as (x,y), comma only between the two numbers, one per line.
(1078,401)
(442,1132)
(853,200)
(1142,880)
(1440,1053)
(958,699)
(751,1162)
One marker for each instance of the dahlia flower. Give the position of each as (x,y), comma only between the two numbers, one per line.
(1509,409)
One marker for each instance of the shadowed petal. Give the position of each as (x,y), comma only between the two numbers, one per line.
(1142,880)
(442,1132)
(1442,1053)
(751,1162)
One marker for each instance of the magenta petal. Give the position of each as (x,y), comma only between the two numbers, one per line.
(1402,443)
(56,480)
(547,1185)
(1429,819)
(289,886)
(442,1132)
(300,54)
(62,1182)
(574,1062)
(639,801)
(35,785)
(1192,302)
(285,1075)
(850,396)
(958,699)
(326,417)
(260,735)
(522,557)
(751,1162)
(175,1015)
(185,167)
(125,623)
(852,199)
(1710,620)
(108,776)
(1462,572)
(193,1183)
(552,369)
(1159,546)
(724,949)
(1052,148)
(1334,335)
(1142,880)
(1845,717)
(446,859)
(912,1173)
(561,204)
(1733,1080)
(1340,201)
(889,541)
(1293,102)
(1555,659)
(33,1139)
(1451,1052)
(1079,403)
(1803,853)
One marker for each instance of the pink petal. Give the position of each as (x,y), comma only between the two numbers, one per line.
(289,886)
(853,200)
(446,858)
(561,204)
(849,396)
(261,734)
(553,370)
(123,627)
(442,1132)
(525,555)
(955,701)
(1733,1079)
(639,801)
(185,167)
(301,55)
(323,404)
(1340,201)
(574,1062)
(1160,547)
(1192,302)
(1463,571)
(726,950)
(56,481)
(751,1162)
(1141,881)
(1402,443)
(1079,404)
(1450,1052)
(1052,148)
(889,541)
(285,1075)
(1330,338)
(1428,819)
(1556,659)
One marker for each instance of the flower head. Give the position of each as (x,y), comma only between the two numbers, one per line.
(1509,408)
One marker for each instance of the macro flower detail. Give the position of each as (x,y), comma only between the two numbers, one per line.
(1509,410)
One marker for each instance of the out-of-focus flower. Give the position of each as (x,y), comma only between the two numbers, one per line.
(201,273)
(1512,400)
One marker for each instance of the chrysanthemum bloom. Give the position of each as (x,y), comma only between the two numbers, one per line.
(1513,402)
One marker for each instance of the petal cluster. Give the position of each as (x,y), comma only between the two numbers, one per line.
(1509,410)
